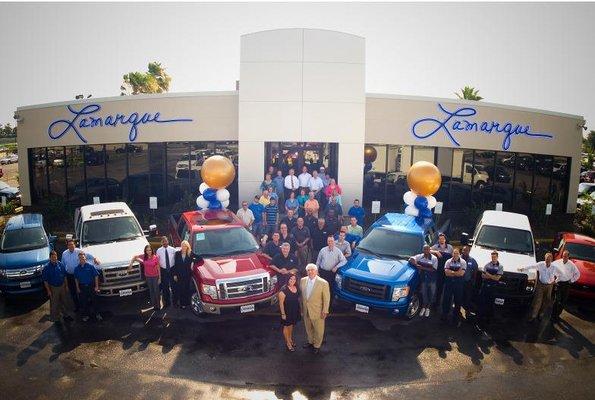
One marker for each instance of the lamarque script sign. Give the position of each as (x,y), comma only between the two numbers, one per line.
(88,118)
(454,122)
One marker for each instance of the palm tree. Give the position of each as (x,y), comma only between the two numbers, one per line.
(469,93)
(156,80)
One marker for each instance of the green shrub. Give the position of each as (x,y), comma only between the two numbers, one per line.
(584,219)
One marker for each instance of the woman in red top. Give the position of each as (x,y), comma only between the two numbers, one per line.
(333,189)
(150,263)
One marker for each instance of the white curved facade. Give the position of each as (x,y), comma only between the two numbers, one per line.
(308,86)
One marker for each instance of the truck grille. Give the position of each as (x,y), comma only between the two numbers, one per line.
(120,275)
(366,289)
(239,288)
(513,283)
(23,273)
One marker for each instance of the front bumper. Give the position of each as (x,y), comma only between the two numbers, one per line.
(398,307)
(582,291)
(213,308)
(21,286)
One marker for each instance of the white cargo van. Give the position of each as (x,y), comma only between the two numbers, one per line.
(511,236)
(111,232)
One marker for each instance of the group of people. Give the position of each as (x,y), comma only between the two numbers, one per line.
(451,278)
(72,283)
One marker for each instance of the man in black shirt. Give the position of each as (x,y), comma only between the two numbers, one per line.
(310,220)
(284,263)
(332,222)
(290,220)
(285,236)
(272,248)
(319,237)
(301,234)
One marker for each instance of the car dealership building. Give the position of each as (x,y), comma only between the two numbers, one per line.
(301,100)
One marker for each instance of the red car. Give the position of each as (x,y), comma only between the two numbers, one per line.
(582,253)
(233,275)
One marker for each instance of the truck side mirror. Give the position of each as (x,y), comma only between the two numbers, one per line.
(152,232)
(52,239)
(464,239)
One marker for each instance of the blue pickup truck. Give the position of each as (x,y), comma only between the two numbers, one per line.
(378,274)
(24,250)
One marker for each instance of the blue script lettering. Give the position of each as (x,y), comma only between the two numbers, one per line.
(85,119)
(454,121)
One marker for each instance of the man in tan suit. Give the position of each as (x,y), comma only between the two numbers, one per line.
(316,298)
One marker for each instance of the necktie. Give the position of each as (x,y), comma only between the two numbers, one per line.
(166,259)
(292,186)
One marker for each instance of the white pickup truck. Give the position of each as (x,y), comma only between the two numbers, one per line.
(511,236)
(111,232)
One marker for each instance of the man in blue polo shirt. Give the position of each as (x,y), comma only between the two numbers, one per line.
(454,270)
(470,279)
(257,209)
(70,260)
(87,286)
(54,280)
(358,212)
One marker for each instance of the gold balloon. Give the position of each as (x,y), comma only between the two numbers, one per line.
(217,172)
(370,153)
(424,178)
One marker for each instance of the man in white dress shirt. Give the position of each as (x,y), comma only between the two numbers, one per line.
(166,254)
(544,285)
(567,273)
(304,179)
(291,183)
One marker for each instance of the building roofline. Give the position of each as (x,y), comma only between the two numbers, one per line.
(471,102)
(303,29)
(124,98)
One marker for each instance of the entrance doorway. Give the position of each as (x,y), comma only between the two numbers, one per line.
(286,155)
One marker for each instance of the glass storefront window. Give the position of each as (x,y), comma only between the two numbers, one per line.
(461,181)
(116,171)
(559,185)
(540,194)
(57,171)
(95,159)
(75,171)
(38,173)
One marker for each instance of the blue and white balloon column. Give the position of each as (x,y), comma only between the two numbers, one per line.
(217,172)
(424,180)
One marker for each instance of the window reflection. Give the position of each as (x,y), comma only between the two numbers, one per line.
(38,169)
(116,172)
(540,195)
(75,172)
(559,186)
(95,158)
(56,171)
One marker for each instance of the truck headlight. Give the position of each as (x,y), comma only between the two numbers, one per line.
(210,290)
(530,285)
(274,280)
(400,292)
(2,273)
(339,280)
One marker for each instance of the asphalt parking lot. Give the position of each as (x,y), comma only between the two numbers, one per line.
(174,355)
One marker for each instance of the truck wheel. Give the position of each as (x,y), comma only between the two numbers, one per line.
(414,306)
(480,185)
(196,306)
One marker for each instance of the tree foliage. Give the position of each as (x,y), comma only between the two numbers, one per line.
(155,80)
(589,142)
(8,131)
(469,93)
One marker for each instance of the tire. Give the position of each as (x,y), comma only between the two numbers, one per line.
(414,307)
(480,185)
(195,304)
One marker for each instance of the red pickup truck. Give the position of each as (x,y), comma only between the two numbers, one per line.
(231,273)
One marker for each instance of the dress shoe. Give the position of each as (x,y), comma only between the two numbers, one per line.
(307,345)
(316,350)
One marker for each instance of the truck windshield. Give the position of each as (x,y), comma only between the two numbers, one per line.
(110,230)
(581,251)
(222,242)
(505,239)
(24,239)
(389,243)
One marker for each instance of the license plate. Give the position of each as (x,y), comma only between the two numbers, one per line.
(247,308)
(361,308)
(25,285)
(499,301)
(125,292)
